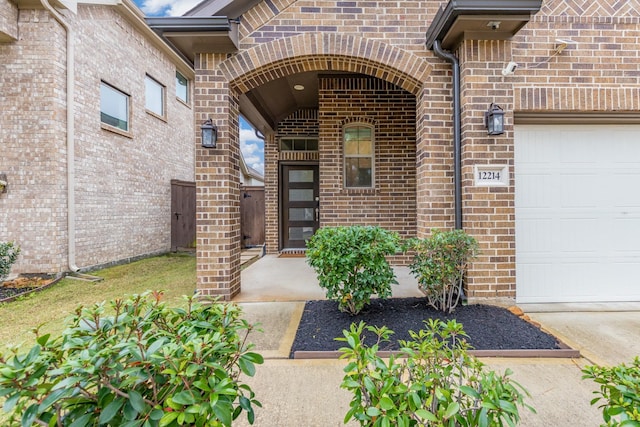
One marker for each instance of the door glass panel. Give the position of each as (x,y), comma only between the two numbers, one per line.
(301,175)
(301,214)
(300,233)
(301,195)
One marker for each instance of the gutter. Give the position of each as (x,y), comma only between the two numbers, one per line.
(71,200)
(457,130)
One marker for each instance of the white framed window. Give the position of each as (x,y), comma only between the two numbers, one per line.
(154,96)
(182,88)
(114,107)
(358,148)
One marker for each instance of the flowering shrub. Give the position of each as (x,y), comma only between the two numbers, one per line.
(144,364)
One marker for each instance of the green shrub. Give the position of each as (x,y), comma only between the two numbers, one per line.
(351,265)
(620,390)
(440,263)
(145,365)
(431,381)
(8,255)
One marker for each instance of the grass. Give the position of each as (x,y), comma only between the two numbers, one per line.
(175,274)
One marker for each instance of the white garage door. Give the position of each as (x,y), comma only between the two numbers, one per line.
(577,213)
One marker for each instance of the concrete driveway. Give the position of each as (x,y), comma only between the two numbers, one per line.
(307,392)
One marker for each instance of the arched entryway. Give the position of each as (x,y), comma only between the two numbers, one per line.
(359,84)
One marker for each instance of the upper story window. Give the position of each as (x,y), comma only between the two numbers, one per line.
(182,88)
(358,156)
(114,107)
(299,143)
(154,96)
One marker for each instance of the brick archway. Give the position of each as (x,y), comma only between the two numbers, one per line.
(218,240)
(325,52)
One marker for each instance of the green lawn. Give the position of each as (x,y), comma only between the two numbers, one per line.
(175,274)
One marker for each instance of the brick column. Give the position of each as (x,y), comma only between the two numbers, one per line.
(217,183)
(434,154)
(271,185)
(488,212)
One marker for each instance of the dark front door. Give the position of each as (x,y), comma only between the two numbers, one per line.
(300,204)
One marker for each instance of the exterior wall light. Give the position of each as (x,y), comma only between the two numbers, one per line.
(494,120)
(209,133)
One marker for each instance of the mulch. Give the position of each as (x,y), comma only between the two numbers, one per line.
(488,327)
(12,289)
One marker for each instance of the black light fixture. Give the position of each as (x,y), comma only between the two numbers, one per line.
(494,120)
(209,133)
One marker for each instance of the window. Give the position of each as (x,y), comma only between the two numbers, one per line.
(358,156)
(299,144)
(182,88)
(114,107)
(154,96)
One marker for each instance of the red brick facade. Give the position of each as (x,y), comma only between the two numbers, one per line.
(384,41)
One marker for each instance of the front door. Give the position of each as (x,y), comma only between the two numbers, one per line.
(300,204)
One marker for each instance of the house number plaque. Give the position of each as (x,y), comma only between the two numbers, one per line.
(491,175)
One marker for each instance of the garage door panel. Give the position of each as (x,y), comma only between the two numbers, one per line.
(573,239)
(625,232)
(575,190)
(536,239)
(577,213)
(626,183)
(534,187)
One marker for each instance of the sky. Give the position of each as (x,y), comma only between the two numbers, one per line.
(166,7)
(252,147)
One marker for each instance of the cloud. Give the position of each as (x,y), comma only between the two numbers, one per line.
(166,7)
(252,149)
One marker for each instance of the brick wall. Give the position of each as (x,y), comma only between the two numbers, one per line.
(217,183)
(597,73)
(123,189)
(392,202)
(386,40)
(32,140)
(8,21)
(122,186)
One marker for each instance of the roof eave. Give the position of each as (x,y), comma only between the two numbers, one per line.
(189,35)
(472,19)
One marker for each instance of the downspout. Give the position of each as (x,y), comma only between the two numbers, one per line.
(457,130)
(71,201)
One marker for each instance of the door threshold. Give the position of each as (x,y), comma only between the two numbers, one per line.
(293,253)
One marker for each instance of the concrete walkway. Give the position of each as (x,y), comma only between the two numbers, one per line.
(307,393)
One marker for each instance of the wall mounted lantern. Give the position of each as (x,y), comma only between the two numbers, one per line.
(494,120)
(209,133)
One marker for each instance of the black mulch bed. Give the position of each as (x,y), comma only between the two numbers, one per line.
(488,327)
(6,293)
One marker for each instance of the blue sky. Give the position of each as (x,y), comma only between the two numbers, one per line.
(251,146)
(166,7)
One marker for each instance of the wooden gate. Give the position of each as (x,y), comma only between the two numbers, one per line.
(183,215)
(252,211)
